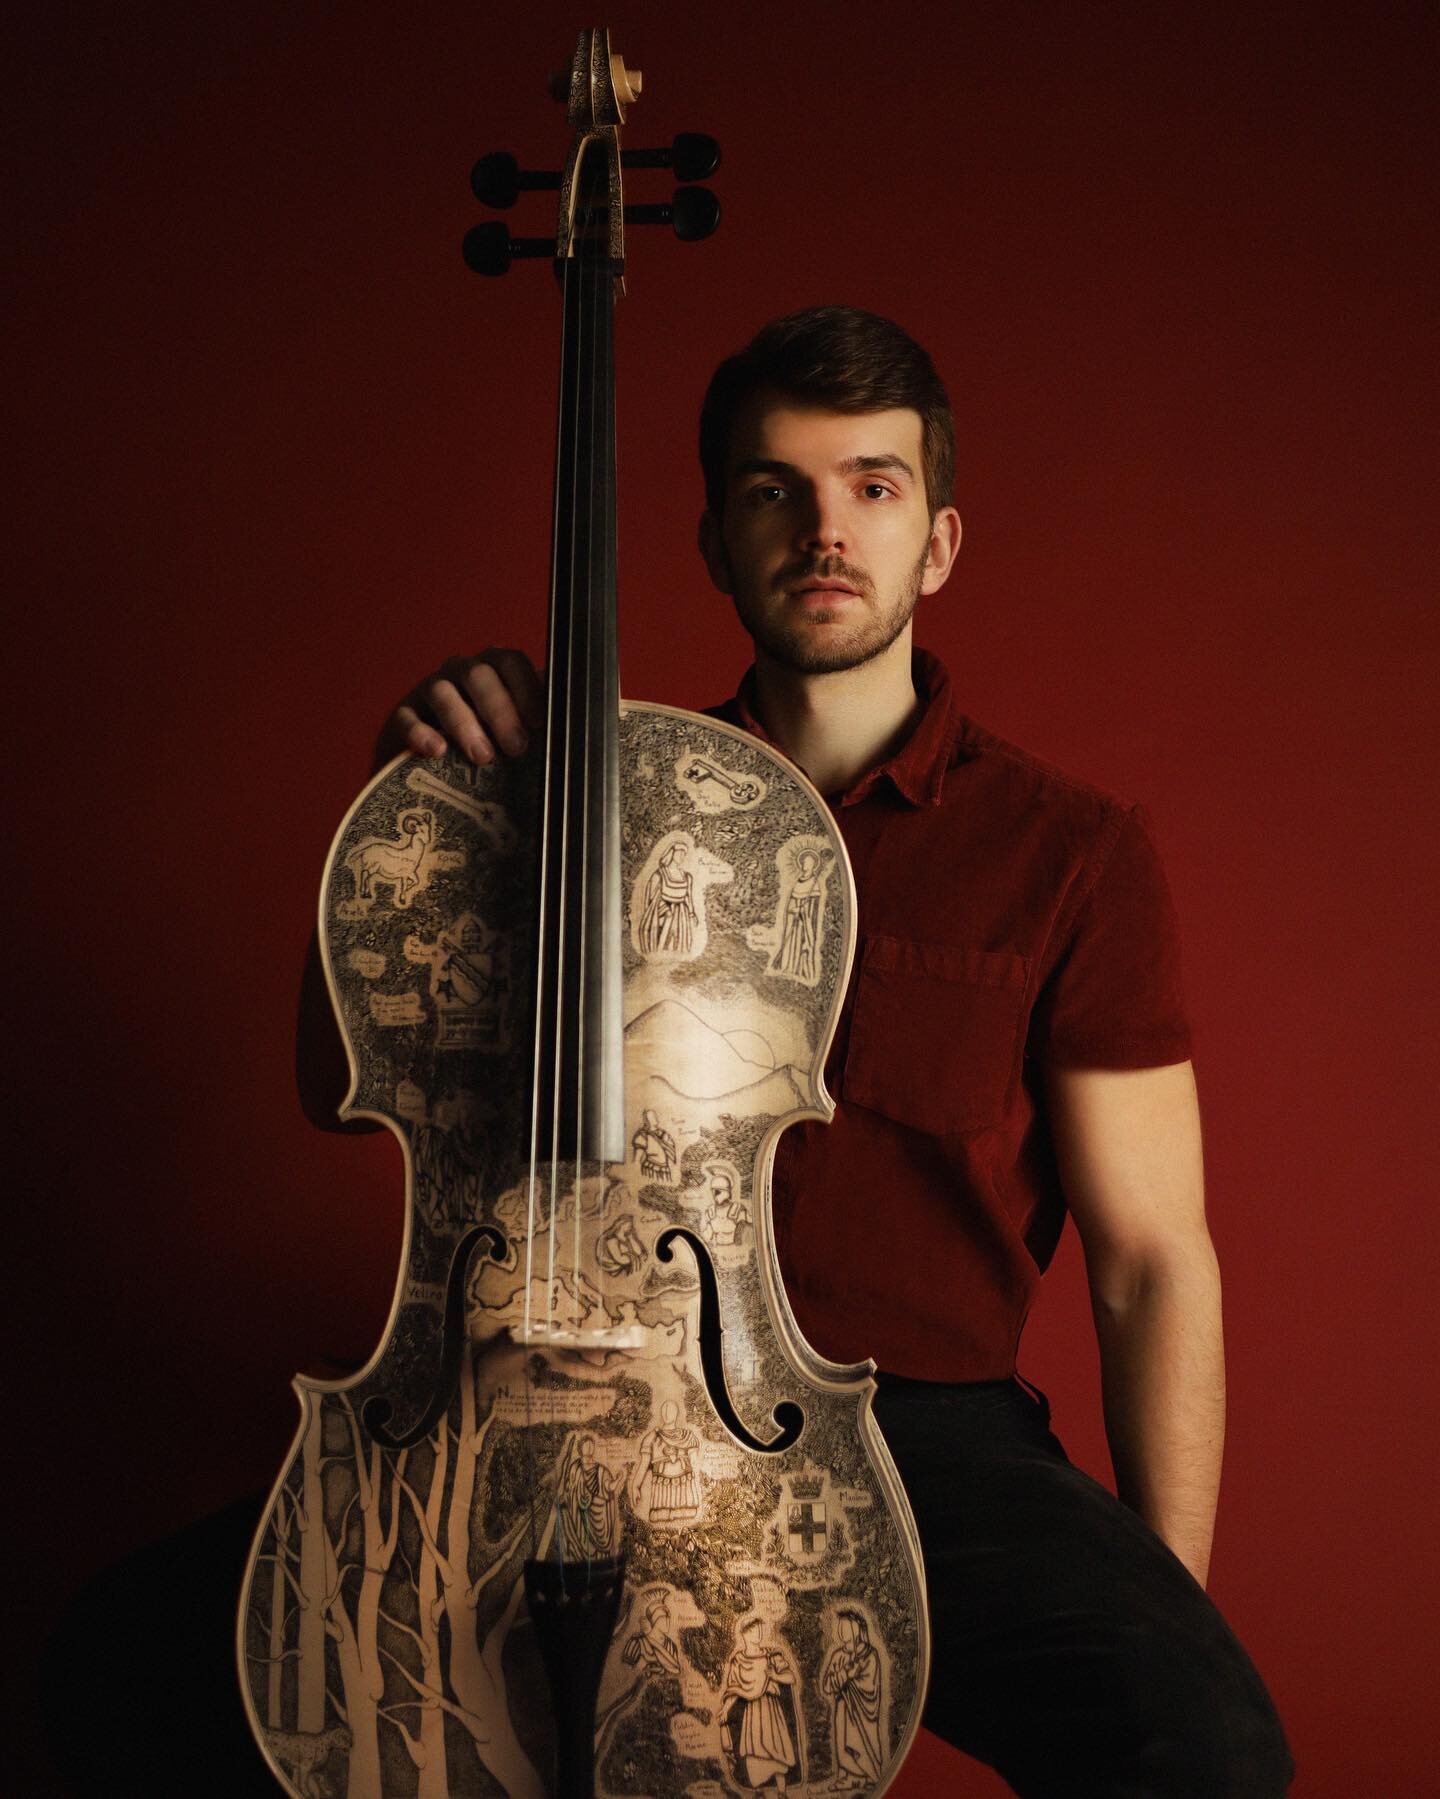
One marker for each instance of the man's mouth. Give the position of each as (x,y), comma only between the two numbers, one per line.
(821,588)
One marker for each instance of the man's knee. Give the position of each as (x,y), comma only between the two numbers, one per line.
(1206,1728)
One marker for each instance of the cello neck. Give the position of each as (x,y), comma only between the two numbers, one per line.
(579,1087)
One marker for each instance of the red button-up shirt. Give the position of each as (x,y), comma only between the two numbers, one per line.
(1009,917)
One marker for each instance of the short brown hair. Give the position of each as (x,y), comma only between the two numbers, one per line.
(840,358)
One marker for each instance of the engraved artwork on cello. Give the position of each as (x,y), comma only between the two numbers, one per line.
(691,1071)
(667,906)
(619,1249)
(654,1148)
(404,863)
(667,1478)
(714,788)
(448,1158)
(795,940)
(725,1222)
(853,1680)
(588,1500)
(305,1755)
(709,1066)
(469,965)
(458,787)
(759,1718)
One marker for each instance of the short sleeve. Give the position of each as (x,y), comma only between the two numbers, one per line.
(1113,998)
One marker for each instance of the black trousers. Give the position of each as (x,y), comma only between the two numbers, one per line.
(1071,1650)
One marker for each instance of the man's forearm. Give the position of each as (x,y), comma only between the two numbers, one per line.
(1163,1376)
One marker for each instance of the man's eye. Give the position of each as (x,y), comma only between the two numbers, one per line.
(766,495)
(876,490)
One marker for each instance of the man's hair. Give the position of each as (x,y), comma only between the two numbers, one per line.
(841,359)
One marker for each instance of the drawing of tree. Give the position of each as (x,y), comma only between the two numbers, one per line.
(283,1559)
(355,1636)
(477,1695)
(380,1581)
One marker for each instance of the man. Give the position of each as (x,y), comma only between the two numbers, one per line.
(1014,1044)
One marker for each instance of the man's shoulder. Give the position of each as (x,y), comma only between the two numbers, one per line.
(1016,780)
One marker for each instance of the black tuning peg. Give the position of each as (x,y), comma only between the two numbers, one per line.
(498,180)
(692,155)
(489,249)
(692,212)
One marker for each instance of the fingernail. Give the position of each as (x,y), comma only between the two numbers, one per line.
(517,743)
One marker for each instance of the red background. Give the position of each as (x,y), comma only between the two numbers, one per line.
(275,453)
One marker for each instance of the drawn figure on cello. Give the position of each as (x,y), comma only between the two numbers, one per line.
(852,1682)
(667,899)
(655,1147)
(305,1752)
(799,952)
(725,1222)
(667,1486)
(618,1249)
(589,1510)
(667,927)
(404,863)
(792,944)
(757,1713)
(652,1648)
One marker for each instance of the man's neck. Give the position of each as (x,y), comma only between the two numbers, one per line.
(835,726)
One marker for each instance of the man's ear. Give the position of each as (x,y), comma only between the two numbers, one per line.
(942,548)
(711,540)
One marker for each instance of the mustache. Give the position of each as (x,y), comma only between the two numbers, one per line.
(825,568)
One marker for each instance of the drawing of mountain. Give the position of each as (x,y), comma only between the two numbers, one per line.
(691,1072)
(779,1092)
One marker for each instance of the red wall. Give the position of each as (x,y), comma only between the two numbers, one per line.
(276,453)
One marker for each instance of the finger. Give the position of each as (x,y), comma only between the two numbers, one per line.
(495,708)
(456,717)
(522,678)
(407,727)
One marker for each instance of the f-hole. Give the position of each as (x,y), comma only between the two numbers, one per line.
(787,1415)
(377,1411)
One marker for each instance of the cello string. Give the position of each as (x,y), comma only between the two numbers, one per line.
(544,925)
(584,581)
(563,908)
(582,953)
(606,626)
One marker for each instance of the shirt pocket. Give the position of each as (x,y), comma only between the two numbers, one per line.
(936,1034)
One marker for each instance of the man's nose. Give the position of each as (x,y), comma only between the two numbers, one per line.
(821,528)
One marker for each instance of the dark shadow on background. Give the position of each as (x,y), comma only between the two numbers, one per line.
(139,1693)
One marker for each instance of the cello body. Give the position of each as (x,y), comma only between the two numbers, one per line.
(772,1624)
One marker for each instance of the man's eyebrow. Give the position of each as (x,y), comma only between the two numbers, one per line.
(851,465)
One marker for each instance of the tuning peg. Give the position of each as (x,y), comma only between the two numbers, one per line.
(489,249)
(498,180)
(693,213)
(692,155)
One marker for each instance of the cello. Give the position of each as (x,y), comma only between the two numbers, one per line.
(594,1518)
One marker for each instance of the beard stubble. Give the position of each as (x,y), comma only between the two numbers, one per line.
(788,643)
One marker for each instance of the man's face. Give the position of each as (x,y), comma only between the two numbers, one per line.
(826,543)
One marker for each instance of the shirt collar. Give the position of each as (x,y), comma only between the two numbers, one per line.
(916,771)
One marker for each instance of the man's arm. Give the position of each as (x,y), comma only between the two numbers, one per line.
(1128,1142)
